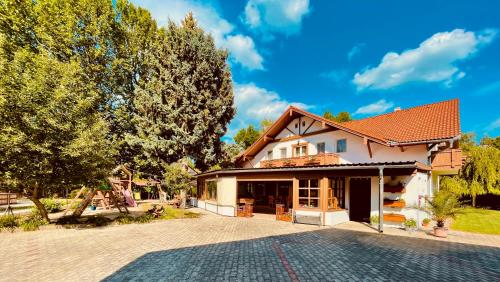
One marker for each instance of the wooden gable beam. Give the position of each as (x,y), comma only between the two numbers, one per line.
(368,146)
(305,131)
(402,148)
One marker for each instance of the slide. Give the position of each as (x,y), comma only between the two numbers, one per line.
(128,198)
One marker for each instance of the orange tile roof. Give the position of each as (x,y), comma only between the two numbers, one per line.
(423,123)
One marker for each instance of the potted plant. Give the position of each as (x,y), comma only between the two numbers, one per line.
(425,222)
(374,220)
(443,206)
(410,225)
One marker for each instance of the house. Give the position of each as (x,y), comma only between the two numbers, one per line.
(337,172)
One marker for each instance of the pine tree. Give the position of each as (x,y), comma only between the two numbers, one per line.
(185,105)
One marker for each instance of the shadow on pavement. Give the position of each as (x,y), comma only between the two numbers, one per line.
(326,254)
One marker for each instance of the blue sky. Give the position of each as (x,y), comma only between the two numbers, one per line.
(365,57)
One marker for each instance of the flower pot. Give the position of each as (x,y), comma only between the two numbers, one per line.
(440,232)
(425,224)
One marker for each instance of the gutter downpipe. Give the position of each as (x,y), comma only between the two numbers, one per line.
(381,199)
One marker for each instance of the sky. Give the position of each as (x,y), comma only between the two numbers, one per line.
(362,56)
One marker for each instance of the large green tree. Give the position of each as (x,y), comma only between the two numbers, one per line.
(51,133)
(186,101)
(340,117)
(109,41)
(480,175)
(245,137)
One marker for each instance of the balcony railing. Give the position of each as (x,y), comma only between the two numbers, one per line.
(449,159)
(320,159)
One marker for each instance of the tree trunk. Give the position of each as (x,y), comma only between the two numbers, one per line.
(35,199)
(78,212)
(474,200)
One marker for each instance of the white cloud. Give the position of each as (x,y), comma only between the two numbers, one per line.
(253,104)
(433,61)
(241,48)
(494,125)
(378,107)
(355,50)
(275,16)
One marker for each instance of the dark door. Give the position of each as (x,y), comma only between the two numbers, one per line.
(359,203)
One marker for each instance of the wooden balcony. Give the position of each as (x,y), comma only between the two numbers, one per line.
(449,159)
(321,159)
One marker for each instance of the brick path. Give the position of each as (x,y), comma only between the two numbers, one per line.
(220,248)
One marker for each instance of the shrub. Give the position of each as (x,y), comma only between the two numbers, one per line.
(51,205)
(426,221)
(444,205)
(98,221)
(124,219)
(145,218)
(374,219)
(32,222)
(8,222)
(410,223)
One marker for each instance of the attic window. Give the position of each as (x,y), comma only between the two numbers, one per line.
(296,125)
(303,123)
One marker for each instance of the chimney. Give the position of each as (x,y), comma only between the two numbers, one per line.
(396,109)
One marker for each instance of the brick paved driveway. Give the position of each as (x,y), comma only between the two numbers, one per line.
(219,248)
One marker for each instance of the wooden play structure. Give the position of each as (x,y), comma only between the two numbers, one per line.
(116,193)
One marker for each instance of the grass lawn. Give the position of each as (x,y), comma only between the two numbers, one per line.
(478,221)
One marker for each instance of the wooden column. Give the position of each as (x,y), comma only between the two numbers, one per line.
(381,199)
(295,193)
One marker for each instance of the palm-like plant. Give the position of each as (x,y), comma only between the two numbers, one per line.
(444,205)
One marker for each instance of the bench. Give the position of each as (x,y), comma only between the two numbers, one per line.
(307,219)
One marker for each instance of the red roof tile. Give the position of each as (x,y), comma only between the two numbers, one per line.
(423,123)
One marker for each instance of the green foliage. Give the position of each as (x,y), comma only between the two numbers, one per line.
(246,136)
(467,141)
(374,219)
(32,222)
(144,218)
(177,178)
(186,103)
(51,205)
(444,205)
(341,117)
(8,222)
(229,157)
(426,221)
(493,142)
(410,223)
(265,124)
(124,218)
(482,171)
(98,221)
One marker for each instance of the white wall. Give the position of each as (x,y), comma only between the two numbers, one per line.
(416,186)
(357,151)
(336,217)
(226,197)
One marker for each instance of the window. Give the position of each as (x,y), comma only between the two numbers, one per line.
(283,153)
(299,150)
(296,125)
(341,145)
(211,190)
(308,193)
(270,155)
(336,193)
(320,147)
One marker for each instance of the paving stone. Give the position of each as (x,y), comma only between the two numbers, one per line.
(215,248)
